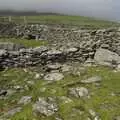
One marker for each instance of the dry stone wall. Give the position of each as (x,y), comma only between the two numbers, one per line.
(65,44)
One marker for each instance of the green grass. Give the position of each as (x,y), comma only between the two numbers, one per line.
(106,105)
(66,20)
(25,42)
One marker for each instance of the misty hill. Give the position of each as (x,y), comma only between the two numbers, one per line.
(33,17)
(24,13)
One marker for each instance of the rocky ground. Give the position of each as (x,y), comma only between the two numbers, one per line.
(70,92)
(75,75)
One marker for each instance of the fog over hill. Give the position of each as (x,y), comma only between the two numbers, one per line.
(107,9)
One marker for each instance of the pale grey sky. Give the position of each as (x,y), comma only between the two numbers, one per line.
(99,8)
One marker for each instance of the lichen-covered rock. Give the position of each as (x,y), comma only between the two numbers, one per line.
(79,92)
(71,50)
(46,107)
(53,76)
(25,100)
(106,57)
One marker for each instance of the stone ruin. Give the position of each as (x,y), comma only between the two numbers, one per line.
(65,44)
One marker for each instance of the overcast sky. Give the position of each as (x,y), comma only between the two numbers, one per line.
(109,9)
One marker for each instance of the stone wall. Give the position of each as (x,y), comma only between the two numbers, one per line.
(65,44)
(40,55)
(58,35)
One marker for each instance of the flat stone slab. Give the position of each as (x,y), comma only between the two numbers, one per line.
(53,76)
(92,79)
(54,52)
(72,50)
(53,66)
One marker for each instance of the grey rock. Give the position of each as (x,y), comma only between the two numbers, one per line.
(93,79)
(56,66)
(72,50)
(97,118)
(25,100)
(45,107)
(53,76)
(92,113)
(79,92)
(58,118)
(17,87)
(106,57)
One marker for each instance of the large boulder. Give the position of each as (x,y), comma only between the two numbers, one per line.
(106,57)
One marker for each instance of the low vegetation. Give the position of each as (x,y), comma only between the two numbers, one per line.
(104,96)
(63,19)
(105,99)
(25,42)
